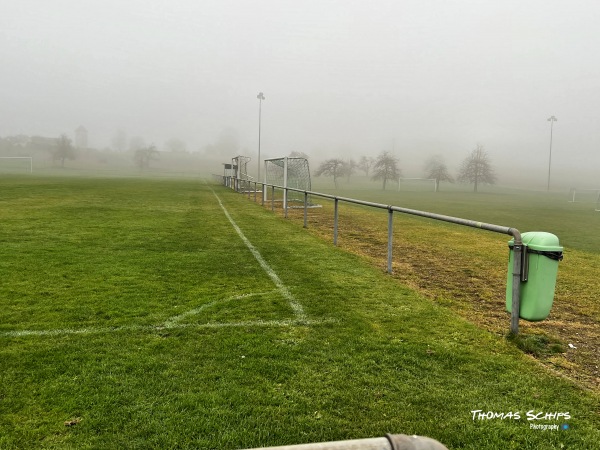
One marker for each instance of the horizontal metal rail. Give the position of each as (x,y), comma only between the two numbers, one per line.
(511,231)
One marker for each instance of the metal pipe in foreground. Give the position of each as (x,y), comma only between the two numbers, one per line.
(516,286)
(390,442)
(390,236)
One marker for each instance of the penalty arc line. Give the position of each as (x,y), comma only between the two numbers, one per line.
(296,307)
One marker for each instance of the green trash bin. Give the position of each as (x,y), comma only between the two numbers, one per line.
(537,293)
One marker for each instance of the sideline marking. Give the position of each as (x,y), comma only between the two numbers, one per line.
(298,310)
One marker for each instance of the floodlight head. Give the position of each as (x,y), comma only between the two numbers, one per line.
(260,96)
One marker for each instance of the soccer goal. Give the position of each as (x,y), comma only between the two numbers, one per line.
(17,164)
(584,195)
(417,184)
(288,172)
(240,168)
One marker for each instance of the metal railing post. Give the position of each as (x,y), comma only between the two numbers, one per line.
(305,208)
(390,233)
(335,222)
(285,205)
(273,198)
(516,286)
(263,193)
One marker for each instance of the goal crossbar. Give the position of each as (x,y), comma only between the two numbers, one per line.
(29,158)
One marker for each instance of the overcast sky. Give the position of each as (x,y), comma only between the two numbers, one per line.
(340,77)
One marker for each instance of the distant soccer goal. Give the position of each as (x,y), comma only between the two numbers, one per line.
(417,184)
(240,167)
(16,164)
(584,195)
(290,173)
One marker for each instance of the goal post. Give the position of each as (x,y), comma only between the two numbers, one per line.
(584,195)
(239,166)
(25,162)
(288,172)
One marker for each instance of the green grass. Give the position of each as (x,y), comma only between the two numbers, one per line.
(465,268)
(576,224)
(538,345)
(120,257)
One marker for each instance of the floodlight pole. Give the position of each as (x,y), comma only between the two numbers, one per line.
(260,98)
(551,119)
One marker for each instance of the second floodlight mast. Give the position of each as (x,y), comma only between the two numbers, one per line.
(260,98)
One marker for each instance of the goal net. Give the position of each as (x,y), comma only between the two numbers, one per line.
(239,165)
(16,164)
(584,195)
(416,184)
(288,173)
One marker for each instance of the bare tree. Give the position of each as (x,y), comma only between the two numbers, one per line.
(331,168)
(436,168)
(365,164)
(63,150)
(477,168)
(144,155)
(386,168)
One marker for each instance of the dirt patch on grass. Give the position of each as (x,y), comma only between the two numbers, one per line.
(466,269)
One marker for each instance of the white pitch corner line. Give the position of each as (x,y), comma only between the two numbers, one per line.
(174,321)
(296,307)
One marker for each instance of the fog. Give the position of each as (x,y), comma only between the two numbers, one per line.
(340,78)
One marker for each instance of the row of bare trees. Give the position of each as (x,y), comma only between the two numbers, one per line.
(384,167)
(64,150)
(475,169)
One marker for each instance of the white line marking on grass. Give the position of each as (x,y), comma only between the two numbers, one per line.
(173,323)
(152,328)
(173,320)
(296,307)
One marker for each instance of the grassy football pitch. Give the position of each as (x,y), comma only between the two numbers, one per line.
(159,313)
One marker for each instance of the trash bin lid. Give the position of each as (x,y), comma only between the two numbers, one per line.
(542,241)
(539,240)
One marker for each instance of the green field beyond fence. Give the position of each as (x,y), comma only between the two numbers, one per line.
(172,314)
(576,224)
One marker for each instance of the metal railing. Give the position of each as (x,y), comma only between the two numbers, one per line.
(517,272)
